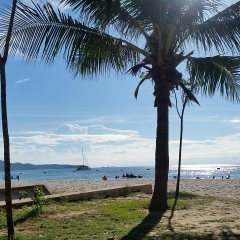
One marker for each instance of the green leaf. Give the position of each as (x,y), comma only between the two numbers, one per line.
(216,73)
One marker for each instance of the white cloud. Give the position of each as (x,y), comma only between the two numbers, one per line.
(235,121)
(23,80)
(71,128)
(105,146)
(221,147)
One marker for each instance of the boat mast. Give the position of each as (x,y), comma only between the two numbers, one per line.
(83,156)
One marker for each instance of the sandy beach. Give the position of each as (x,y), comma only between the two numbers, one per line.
(227,188)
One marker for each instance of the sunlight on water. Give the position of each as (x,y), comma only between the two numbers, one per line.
(187,171)
(207,171)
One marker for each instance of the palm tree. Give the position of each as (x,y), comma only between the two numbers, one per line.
(7,164)
(153,36)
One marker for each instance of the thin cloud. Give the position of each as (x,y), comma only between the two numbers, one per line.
(23,80)
(235,121)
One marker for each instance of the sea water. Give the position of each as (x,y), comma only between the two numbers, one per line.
(187,172)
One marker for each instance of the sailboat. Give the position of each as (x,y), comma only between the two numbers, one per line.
(83,166)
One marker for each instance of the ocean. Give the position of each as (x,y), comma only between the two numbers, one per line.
(187,172)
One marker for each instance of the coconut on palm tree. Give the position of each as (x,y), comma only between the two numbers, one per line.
(109,35)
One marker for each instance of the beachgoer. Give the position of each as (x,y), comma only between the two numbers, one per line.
(104,178)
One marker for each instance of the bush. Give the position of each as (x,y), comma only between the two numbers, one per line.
(38,199)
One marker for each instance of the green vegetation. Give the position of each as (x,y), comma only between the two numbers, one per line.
(38,199)
(24,194)
(187,200)
(125,218)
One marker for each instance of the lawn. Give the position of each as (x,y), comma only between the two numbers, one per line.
(127,218)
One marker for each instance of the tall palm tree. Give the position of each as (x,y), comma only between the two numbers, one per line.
(6,144)
(153,36)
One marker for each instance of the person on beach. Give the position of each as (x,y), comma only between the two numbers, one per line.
(104,178)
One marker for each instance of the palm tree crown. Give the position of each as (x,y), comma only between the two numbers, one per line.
(108,34)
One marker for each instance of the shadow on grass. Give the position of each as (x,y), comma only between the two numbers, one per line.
(30,214)
(229,235)
(224,235)
(186,236)
(142,229)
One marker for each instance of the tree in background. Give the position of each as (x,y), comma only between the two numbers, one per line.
(153,36)
(7,164)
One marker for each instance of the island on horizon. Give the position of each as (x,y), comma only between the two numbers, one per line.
(30,166)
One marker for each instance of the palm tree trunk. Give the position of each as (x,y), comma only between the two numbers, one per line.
(179,160)
(159,198)
(180,152)
(8,194)
(7,164)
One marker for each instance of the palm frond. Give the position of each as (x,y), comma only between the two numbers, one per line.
(218,73)
(136,68)
(114,13)
(138,86)
(190,96)
(180,16)
(47,33)
(222,31)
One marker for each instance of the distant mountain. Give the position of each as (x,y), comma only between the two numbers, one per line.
(29,166)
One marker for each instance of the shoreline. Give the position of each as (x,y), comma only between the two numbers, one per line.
(227,188)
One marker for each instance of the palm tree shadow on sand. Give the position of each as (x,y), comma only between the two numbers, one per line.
(142,229)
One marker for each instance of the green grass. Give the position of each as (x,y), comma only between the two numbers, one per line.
(123,218)
(188,200)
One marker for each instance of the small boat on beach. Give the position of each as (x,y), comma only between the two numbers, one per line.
(85,165)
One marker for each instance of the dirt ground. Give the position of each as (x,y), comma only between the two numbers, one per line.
(218,215)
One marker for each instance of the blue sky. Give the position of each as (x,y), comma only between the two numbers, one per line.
(52,116)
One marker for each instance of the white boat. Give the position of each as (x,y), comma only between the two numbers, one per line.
(84,166)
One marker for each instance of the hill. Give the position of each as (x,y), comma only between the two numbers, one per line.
(29,166)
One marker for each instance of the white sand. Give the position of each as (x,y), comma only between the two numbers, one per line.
(229,188)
